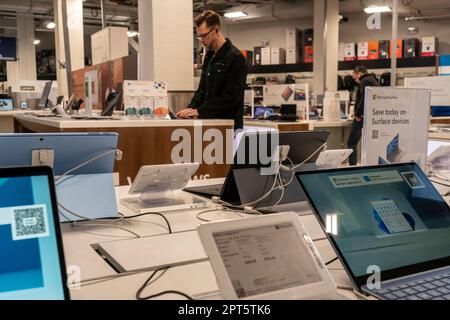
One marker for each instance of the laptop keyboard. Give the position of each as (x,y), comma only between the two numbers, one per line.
(430,288)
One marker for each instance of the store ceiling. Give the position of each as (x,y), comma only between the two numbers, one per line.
(124,12)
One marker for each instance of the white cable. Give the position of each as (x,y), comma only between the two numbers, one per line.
(253,202)
(282,186)
(311,156)
(84,225)
(97,222)
(122,217)
(86,163)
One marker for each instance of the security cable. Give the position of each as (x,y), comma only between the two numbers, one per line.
(149,282)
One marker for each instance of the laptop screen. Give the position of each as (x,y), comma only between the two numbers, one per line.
(390,217)
(265,259)
(30,259)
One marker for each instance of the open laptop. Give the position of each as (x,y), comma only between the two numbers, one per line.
(32,263)
(267,258)
(158,189)
(247,163)
(388,223)
(87,191)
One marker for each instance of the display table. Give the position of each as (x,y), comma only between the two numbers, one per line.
(99,281)
(7,120)
(143,142)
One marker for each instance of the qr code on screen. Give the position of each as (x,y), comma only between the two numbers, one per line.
(29,222)
(375,134)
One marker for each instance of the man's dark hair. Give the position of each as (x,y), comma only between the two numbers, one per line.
(361,69)
(211,18)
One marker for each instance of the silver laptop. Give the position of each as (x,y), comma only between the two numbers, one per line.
(389,226)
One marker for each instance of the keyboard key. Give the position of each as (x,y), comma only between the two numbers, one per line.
(410,291)
(435,293)
(413,298)
(399,294)
(421,281)
(382,291)
(443,290)
(439,283)
(446,280)
(439,298)
(404,286)
(447,297)
(429,279)
(394,289)
(425,296)
(420,288)
(437,277)
(390,296)
(429,286)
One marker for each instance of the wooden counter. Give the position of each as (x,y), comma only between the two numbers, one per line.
(143,142)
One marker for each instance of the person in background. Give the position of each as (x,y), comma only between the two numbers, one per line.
(363,79)
(221,91)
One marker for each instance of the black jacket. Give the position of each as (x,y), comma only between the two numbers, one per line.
(368,80)
(221,91)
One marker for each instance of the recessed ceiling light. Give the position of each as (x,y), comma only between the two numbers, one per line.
(36,42)
(235,14)
(51,25)
(377,9)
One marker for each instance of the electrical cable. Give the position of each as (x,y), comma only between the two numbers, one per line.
(274,186)
(85,164)
(150,214)
(331,261)
(149,282)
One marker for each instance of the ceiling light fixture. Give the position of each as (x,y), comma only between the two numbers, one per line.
(51,25)
(36,42)
(132,33)
(377,9)
(235,14)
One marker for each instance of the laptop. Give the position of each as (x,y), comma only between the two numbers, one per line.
(32,263)
(266,258)
(389,226)
(87,191)
(247,163)
(6,104)
(159,189)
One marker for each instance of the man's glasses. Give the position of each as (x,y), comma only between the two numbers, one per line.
(203,36)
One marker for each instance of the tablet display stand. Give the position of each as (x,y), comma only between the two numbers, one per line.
(157,194)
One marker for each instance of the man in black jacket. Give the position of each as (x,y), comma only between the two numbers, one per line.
(364,79)
(221,91)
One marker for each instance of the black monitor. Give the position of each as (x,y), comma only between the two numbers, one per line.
(44,102)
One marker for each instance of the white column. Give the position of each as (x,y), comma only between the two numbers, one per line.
(394,43)
(326,41)
(332,45)
(26,50)
(165,42)
(76,39)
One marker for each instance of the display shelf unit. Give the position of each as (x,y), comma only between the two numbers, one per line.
(417,62)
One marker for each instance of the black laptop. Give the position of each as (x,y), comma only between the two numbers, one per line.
(244,182)
(32,263)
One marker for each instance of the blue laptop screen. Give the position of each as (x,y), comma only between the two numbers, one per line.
(390,217)
(30,267)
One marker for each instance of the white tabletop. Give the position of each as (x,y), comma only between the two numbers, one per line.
(68,123)
(100,281)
